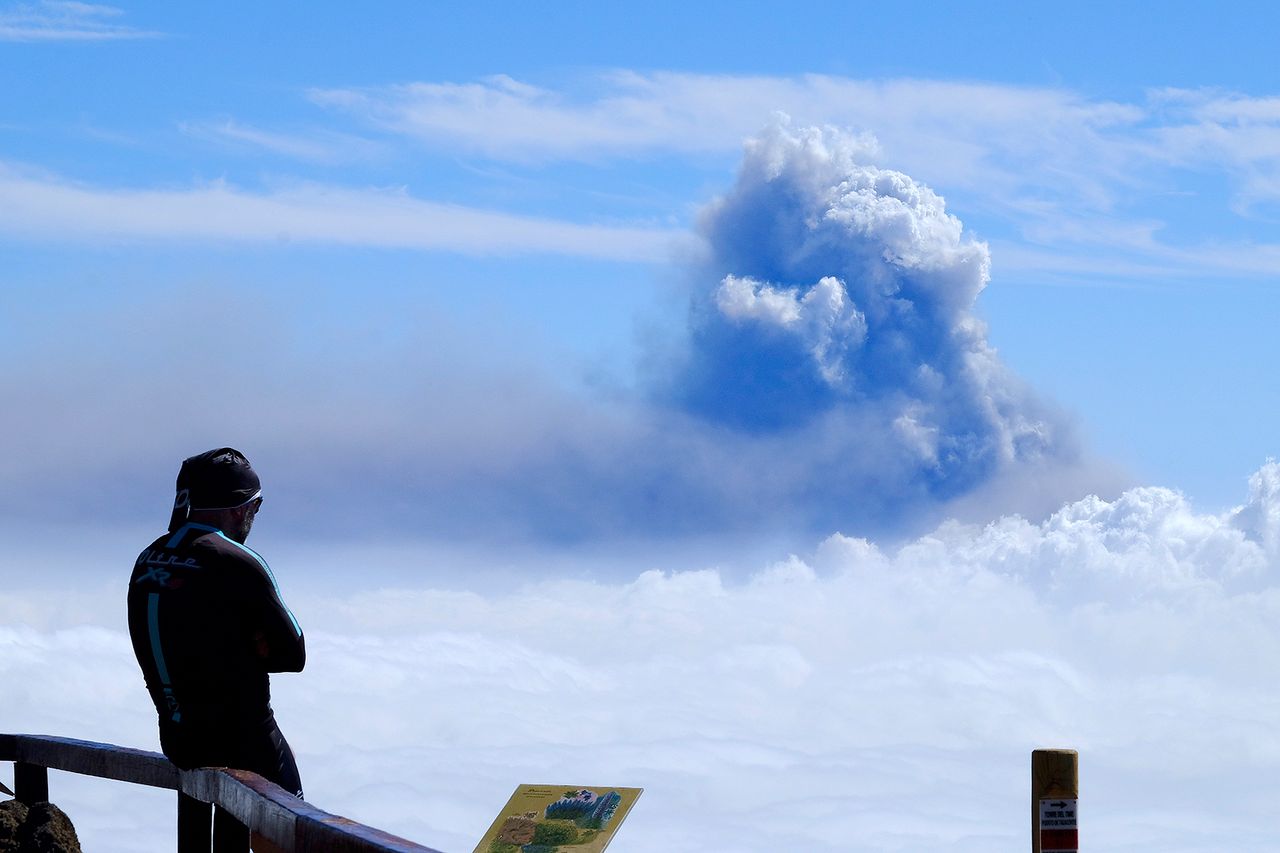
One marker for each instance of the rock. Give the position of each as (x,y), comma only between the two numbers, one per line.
(48,830)
(42,828)
(12,816)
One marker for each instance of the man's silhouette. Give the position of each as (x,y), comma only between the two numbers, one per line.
(208,624)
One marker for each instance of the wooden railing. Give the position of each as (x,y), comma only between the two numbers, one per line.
(217,808)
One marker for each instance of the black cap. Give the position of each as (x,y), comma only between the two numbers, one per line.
(216,479)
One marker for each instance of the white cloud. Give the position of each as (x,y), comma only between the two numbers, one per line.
(1081,182)
(49,208)
(632,113)
(315,146)
(823,317)
(863,698)
(1210,129)
(60,20)
(496,115)
(960,135)
(1075,175)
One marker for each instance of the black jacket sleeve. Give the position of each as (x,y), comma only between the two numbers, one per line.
(279,638)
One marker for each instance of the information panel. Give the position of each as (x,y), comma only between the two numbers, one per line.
(558,819)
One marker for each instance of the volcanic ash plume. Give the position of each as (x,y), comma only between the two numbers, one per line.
(841,294)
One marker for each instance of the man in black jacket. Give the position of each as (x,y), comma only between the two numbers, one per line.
(208,624)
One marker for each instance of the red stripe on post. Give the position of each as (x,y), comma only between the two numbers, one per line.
(1059,839)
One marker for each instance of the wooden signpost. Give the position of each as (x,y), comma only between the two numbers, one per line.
(1055,792)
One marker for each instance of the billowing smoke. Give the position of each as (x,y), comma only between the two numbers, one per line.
(839,297)
(832,376)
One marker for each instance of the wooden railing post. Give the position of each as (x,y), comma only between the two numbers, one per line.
(194,825)
(229,834)
(30,783)
(1055,793)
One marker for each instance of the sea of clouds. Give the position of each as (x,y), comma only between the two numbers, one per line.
(855,698)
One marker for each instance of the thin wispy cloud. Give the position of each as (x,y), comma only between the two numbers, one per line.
(956,127)
(317,146)
(1043,159)
(1228,131)
(45,207)
(62,20)
(965,130)
(1073,183)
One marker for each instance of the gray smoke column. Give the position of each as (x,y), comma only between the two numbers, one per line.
(832,377)
(837,301)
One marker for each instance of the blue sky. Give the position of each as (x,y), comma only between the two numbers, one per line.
(733,318)
(531,179)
